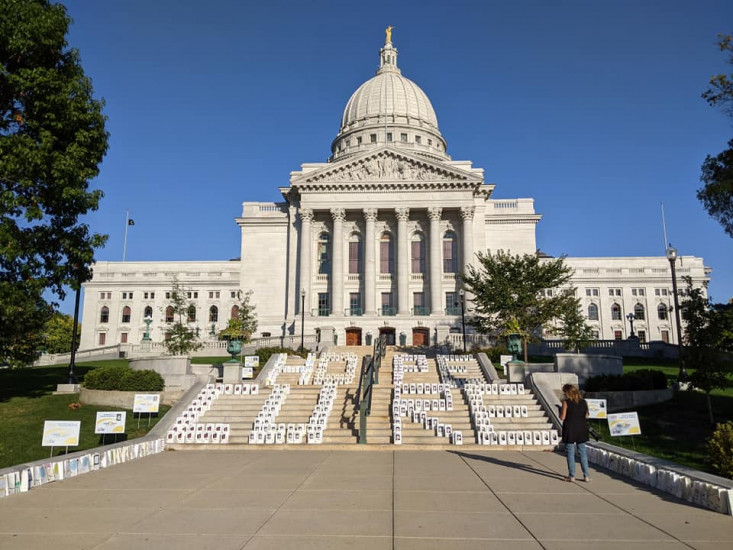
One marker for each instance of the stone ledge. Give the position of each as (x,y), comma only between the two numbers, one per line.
(626,400)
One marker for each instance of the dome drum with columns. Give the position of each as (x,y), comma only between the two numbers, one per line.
(372,242)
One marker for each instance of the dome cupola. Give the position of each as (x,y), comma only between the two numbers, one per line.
(389,109)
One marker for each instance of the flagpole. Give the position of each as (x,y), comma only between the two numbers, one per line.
(127,224)
(664,230)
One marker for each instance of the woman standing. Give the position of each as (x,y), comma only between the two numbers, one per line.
(574,414)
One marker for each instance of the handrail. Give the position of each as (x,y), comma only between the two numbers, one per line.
(551,411)
(365,402)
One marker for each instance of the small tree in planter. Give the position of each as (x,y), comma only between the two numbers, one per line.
(181,339)
(245,323)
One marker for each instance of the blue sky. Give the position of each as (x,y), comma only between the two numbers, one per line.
(591,108)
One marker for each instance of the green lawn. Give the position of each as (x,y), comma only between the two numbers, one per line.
(26,402)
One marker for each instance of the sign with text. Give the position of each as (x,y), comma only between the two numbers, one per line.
(503,360)
(251,360)
(110,423)
(61,433)
(597,408)
(624,424)
(248,372)
(146,403)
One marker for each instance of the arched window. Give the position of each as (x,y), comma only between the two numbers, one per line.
(662,312)
(148,312)
(235,312)
(126,312)
(355,254)
(386,254)
(324,261)
(450,253)
(169,314)
(213,314)
(417,256)
(592,312)
(104,315)
(191,313)
(639,312)
(616,312)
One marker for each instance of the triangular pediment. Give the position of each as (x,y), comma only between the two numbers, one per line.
(384,165)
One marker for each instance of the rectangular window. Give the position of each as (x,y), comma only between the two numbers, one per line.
(102,338)
(617,335)
(418,257)
(232,294)
(373,138)
(450,262)
(637,292)
(123,338)
(323,304)
(387,304)
(660,292)
(355,257)
(418,139)
(614,292)
(595,334)
(102,295)
(167,295)
(591,292)
(389,137)
(642,335)
(452,307)
(386,258)
(358,140)
(324,265)
(665,336)
(418,301)
(430,141)
(355,304)
(403,138)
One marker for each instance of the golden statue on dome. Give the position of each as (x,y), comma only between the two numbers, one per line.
(388,33)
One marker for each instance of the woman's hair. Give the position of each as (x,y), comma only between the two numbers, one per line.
(572,393)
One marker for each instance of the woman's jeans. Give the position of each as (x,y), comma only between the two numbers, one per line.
(570,450)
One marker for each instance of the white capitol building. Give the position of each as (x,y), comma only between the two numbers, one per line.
(373,242)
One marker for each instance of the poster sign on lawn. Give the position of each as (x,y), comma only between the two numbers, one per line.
(503,360)
(624,424)
(248,372)
(597,408)
(110,423)
(146,403)
(251,360)
(61,433)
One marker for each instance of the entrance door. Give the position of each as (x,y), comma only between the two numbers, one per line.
(420,336)
(353,337)
(389,334)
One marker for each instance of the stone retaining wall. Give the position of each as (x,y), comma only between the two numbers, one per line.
(629,400)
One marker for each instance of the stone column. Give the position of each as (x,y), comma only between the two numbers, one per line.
(436,269)
(337,269)
(370,263)
(403,266)
(467,240)
(306,217)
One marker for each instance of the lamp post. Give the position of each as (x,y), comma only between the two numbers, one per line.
(302,319)
(672,257)
(462,296)
(631,318)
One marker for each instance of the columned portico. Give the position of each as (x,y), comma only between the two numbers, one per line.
(370,264)
(434,213)
(306,218)
(337,269)
(403,275)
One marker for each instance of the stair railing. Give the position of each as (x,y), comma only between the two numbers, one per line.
(364,395)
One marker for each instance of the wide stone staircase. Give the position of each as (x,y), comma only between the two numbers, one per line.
(419,401)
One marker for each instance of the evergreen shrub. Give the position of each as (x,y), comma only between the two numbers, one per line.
(646,379)
(121,378)
(720,449)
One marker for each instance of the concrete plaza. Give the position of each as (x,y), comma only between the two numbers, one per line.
(361,498)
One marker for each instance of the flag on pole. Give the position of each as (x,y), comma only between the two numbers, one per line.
(130,222)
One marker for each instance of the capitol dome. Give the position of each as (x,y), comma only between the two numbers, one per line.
(389,109)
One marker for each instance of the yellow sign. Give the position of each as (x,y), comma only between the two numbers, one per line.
(61,433)
(146,403)
(624,424)
(110,423)
(596,408)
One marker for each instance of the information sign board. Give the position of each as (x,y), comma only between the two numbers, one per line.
(61,433)
(624,424)
(146,403)
(110,422)
(251,360)
(597,408)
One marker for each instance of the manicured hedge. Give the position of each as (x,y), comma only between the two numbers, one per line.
(119,378)
(266,353)
(646,379)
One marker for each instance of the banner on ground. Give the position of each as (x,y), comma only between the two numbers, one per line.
(597,408)
(61,433)
(110,423)
(624,424)
(146,403)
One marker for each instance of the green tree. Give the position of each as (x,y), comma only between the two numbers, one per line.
(703,337)
(716,194)
(58,332)
(182,338)
(52,140)
(245,324)
(574,330)
(511,291)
